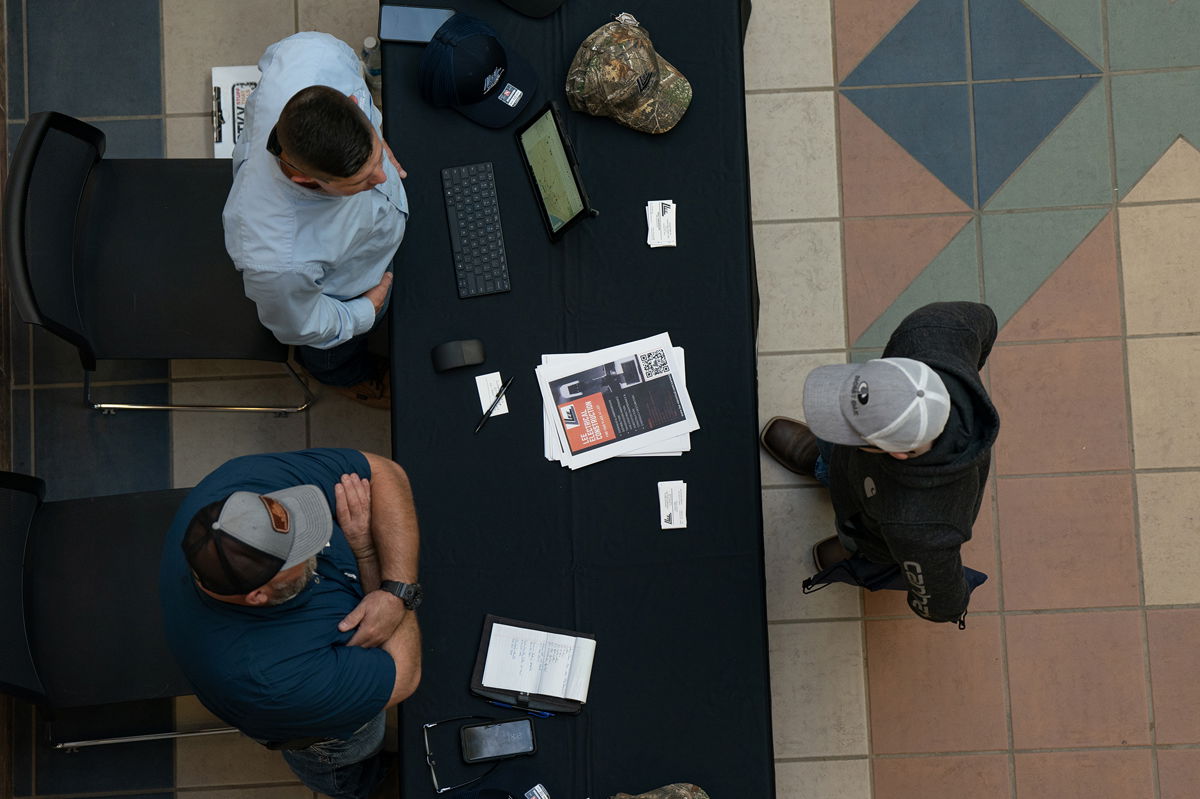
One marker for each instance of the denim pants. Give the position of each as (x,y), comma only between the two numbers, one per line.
(348,769)
(821,472)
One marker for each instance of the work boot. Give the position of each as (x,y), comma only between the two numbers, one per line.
(375,391)
(828,552)
(792,444)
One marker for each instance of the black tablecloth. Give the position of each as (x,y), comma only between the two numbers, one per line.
(680,686)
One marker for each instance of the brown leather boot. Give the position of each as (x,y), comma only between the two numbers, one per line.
(792,444)
(829,551)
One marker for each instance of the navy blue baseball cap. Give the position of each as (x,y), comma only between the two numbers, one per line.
(466,67)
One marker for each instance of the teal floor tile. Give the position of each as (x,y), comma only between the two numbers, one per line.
(952,275)
(1149,113)
(1021,250)
(1145,34)
(1070,167)
(1080,22)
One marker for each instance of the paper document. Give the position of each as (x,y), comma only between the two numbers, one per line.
(672,504)
(231,87)
(616,400)
(536,662)
(671,447)
(487,386)
(660,223)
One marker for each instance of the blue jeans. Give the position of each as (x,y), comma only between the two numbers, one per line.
(348,769)
(821,472)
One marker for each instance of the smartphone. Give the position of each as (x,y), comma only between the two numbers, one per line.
(415,24)
(494,740)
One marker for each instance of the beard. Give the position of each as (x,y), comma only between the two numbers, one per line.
(287,590)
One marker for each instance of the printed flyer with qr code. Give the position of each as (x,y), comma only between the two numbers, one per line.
(616,400)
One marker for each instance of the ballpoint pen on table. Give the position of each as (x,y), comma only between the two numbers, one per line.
(499,396)
(541,714)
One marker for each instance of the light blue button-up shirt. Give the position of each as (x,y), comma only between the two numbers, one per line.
(306,257)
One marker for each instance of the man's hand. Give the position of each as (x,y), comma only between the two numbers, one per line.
(378,295)
(353,499)
(395,163)
(377,617)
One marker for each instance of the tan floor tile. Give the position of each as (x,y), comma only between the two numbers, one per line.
(1086,775)
(1175,176)
(336,421)
(224,367)
(1173,635)
(1158,257)
(190,137)
(935,688)
(793,520)
(349,20)
(976,776)
(1168,507)
(191,715)
(216,33)
(1077,679)
(227,760)
(788,45)
(1178,773)
(1068,542)
(296,791)
(1164,378)
(844,779)
(818,699)
(793,157)
(780,393)
(781,382)
(800,283)
(979,553)
(1062,407)
(200,442)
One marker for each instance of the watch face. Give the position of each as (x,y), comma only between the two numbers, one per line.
(413,597)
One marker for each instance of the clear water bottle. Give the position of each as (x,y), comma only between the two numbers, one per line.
(373,68)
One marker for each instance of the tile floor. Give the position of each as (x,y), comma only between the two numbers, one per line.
(1038,155)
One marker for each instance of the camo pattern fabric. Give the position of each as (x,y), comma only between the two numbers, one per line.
(678,790)
(617,74)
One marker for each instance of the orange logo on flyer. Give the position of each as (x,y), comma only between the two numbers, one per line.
(587,422)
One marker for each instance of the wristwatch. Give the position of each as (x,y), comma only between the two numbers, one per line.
(408,593)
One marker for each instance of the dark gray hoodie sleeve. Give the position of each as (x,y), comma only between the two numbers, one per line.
(961,330)
(937,588)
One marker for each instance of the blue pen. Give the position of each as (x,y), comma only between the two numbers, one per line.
(541,714)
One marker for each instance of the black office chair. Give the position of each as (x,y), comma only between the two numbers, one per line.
(81,624)
(125,258)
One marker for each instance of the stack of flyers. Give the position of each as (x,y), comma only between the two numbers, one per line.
(660,223)
(625,400)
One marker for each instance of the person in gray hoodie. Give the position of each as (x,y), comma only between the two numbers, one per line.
(904,444)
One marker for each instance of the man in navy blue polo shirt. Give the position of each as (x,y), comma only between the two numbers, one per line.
(289,585)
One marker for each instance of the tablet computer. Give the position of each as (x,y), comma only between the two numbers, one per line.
(553,171)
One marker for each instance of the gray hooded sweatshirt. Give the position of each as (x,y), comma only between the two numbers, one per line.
(919,512)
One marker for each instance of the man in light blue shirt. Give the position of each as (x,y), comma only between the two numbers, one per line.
(317,211)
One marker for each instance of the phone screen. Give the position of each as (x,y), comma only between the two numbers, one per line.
(487,741)
(411,23)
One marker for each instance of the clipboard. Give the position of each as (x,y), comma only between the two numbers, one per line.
(531,701)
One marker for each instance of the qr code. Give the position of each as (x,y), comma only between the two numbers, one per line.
(654,364)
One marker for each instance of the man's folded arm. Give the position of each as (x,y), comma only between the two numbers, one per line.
(291,305)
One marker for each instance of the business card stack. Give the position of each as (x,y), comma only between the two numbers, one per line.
(660,223)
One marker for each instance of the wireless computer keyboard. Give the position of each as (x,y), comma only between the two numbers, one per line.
(480,266)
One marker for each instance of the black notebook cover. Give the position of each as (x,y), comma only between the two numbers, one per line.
(554,704)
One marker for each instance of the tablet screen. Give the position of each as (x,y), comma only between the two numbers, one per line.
(547,159)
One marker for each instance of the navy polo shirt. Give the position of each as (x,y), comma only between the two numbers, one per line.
(284,672)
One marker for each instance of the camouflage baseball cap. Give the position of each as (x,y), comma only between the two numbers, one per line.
(617,74)
(677,790)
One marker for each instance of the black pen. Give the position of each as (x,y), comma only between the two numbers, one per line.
(499,396)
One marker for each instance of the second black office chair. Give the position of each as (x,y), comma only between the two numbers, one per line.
(125,258)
